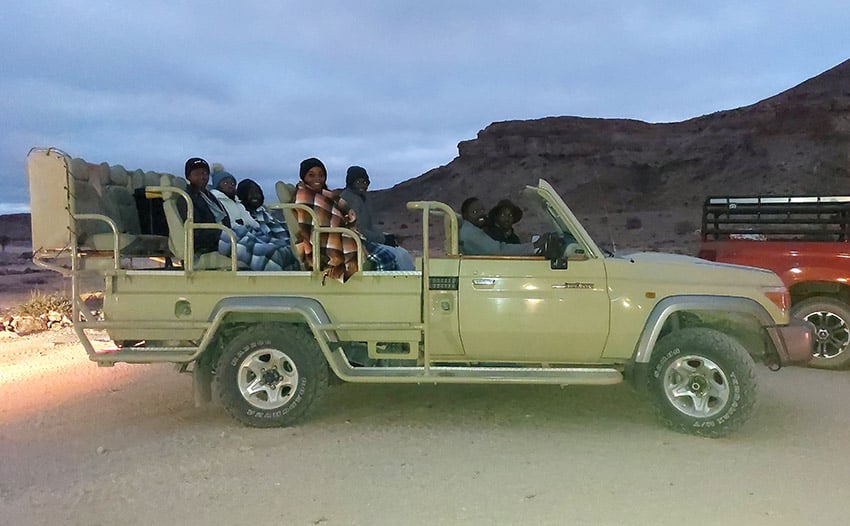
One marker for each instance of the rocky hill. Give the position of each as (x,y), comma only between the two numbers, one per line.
(15,227)
(796,142)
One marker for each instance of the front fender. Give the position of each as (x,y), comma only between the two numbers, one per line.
(668,306)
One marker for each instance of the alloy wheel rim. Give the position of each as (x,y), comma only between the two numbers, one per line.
(832,336)
(267,378)
(696,386)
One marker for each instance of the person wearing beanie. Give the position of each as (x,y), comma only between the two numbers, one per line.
(356,174)
(224,188)
(219,176)
(356,185)
(354,194)
(337,253)
(205,206)
(195,163)
(312,162)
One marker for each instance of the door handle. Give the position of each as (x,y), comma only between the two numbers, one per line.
(483,283)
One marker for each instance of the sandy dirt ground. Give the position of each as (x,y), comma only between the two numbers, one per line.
(125,445)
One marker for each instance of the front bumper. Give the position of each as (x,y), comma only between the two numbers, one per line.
(794,343)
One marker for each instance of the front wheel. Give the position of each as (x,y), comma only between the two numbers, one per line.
(702,382)
(270,376)
(831,319)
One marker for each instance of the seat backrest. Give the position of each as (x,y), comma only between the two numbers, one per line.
(286,195)
(119,203)
(88,184)
(176,228)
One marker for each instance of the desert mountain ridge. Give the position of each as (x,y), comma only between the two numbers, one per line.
(796,142)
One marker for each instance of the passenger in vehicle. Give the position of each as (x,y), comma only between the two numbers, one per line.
(205,206)
(224,188)
(266,247)
(338,253)
(474,241)
(354,194)
(252,197)
(501,220)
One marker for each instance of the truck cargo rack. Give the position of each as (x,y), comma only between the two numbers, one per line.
(804,218)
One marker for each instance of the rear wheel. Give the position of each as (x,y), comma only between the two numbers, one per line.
(702,382)
(270,376)
(831,319)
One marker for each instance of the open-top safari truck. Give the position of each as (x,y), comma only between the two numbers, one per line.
(685,332)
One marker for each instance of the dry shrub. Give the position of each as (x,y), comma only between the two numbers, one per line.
(40,303)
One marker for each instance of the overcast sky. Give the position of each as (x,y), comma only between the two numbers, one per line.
(390,85)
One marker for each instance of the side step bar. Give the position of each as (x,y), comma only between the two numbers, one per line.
(475,375)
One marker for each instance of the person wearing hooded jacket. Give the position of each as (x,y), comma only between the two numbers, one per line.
(266,246)
(224,188)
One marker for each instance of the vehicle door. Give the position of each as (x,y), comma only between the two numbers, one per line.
(530,309)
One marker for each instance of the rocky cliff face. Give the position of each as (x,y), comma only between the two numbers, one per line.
(796,142)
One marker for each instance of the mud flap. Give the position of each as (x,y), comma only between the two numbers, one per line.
(201,385)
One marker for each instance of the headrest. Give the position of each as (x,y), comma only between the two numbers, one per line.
(118,175)
(79,169)
(152,178)
(285,192)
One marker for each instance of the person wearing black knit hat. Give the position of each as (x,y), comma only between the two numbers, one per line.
(354,194)
(312,162)
(337,253)
(355,174)
(195,163)
(205,207)
(356,184)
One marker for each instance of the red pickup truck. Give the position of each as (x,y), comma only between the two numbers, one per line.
(804,240)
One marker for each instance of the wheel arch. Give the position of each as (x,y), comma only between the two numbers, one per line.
(662,313)
(809,289)
(243,311)
(665,315)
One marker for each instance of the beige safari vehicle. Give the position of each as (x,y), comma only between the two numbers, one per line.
(686,333)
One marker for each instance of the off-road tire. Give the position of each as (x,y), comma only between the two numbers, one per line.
(270,376)
(702,382)
(831,319)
